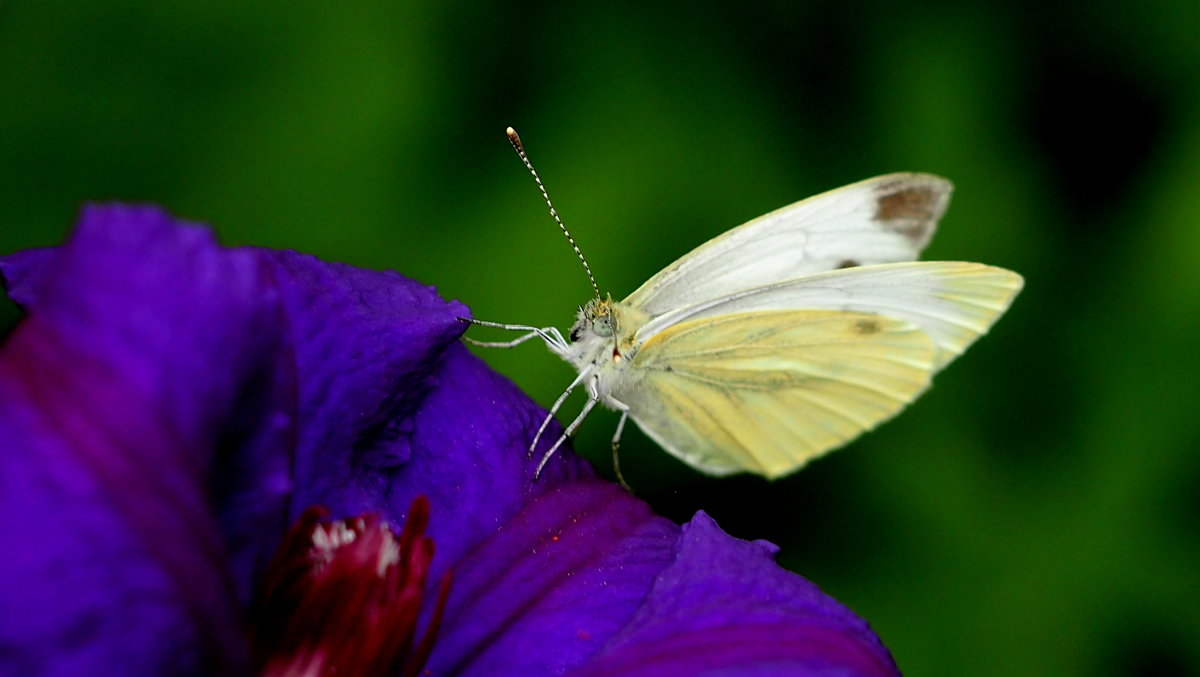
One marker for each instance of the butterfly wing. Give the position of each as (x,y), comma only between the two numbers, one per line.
(954,303)
(881,220)
(765,392)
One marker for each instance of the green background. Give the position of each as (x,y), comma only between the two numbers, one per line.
(1038,512)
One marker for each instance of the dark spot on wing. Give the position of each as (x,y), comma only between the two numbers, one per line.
(867,327)
(910,210)
(848,263)
(909,202)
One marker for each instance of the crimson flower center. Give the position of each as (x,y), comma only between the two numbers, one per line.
(344,597)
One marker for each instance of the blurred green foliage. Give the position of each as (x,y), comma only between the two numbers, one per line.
(1037,513)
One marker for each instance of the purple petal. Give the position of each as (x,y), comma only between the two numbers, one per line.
(389,405)
(587,581)
(548,588)
(235,387)
(724,607)
(24,273)
(168,402)
(108,427)
(470,456)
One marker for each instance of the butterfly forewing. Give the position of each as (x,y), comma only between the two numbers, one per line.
(766,392)
(881,220)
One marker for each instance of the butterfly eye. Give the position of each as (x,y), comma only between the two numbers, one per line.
(603,326)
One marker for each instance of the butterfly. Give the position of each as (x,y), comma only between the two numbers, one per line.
(785,337)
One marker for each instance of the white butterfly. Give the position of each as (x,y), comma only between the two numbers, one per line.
(783,338)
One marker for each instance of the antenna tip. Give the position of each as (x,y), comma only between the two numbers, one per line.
(514,139)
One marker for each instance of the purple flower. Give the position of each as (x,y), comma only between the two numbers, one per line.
(168,408)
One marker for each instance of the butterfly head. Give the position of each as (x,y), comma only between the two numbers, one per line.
(595,319)
(604,331)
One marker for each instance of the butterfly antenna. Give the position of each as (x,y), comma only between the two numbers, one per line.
(520,148)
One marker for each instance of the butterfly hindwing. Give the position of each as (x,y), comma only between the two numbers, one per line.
(765,392)
(953,302)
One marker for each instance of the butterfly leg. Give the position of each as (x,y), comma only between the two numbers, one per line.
(616,444)
(587,408)
(501,344)
(554,340)
(555,407)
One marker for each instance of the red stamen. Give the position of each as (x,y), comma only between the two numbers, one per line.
(344,597)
